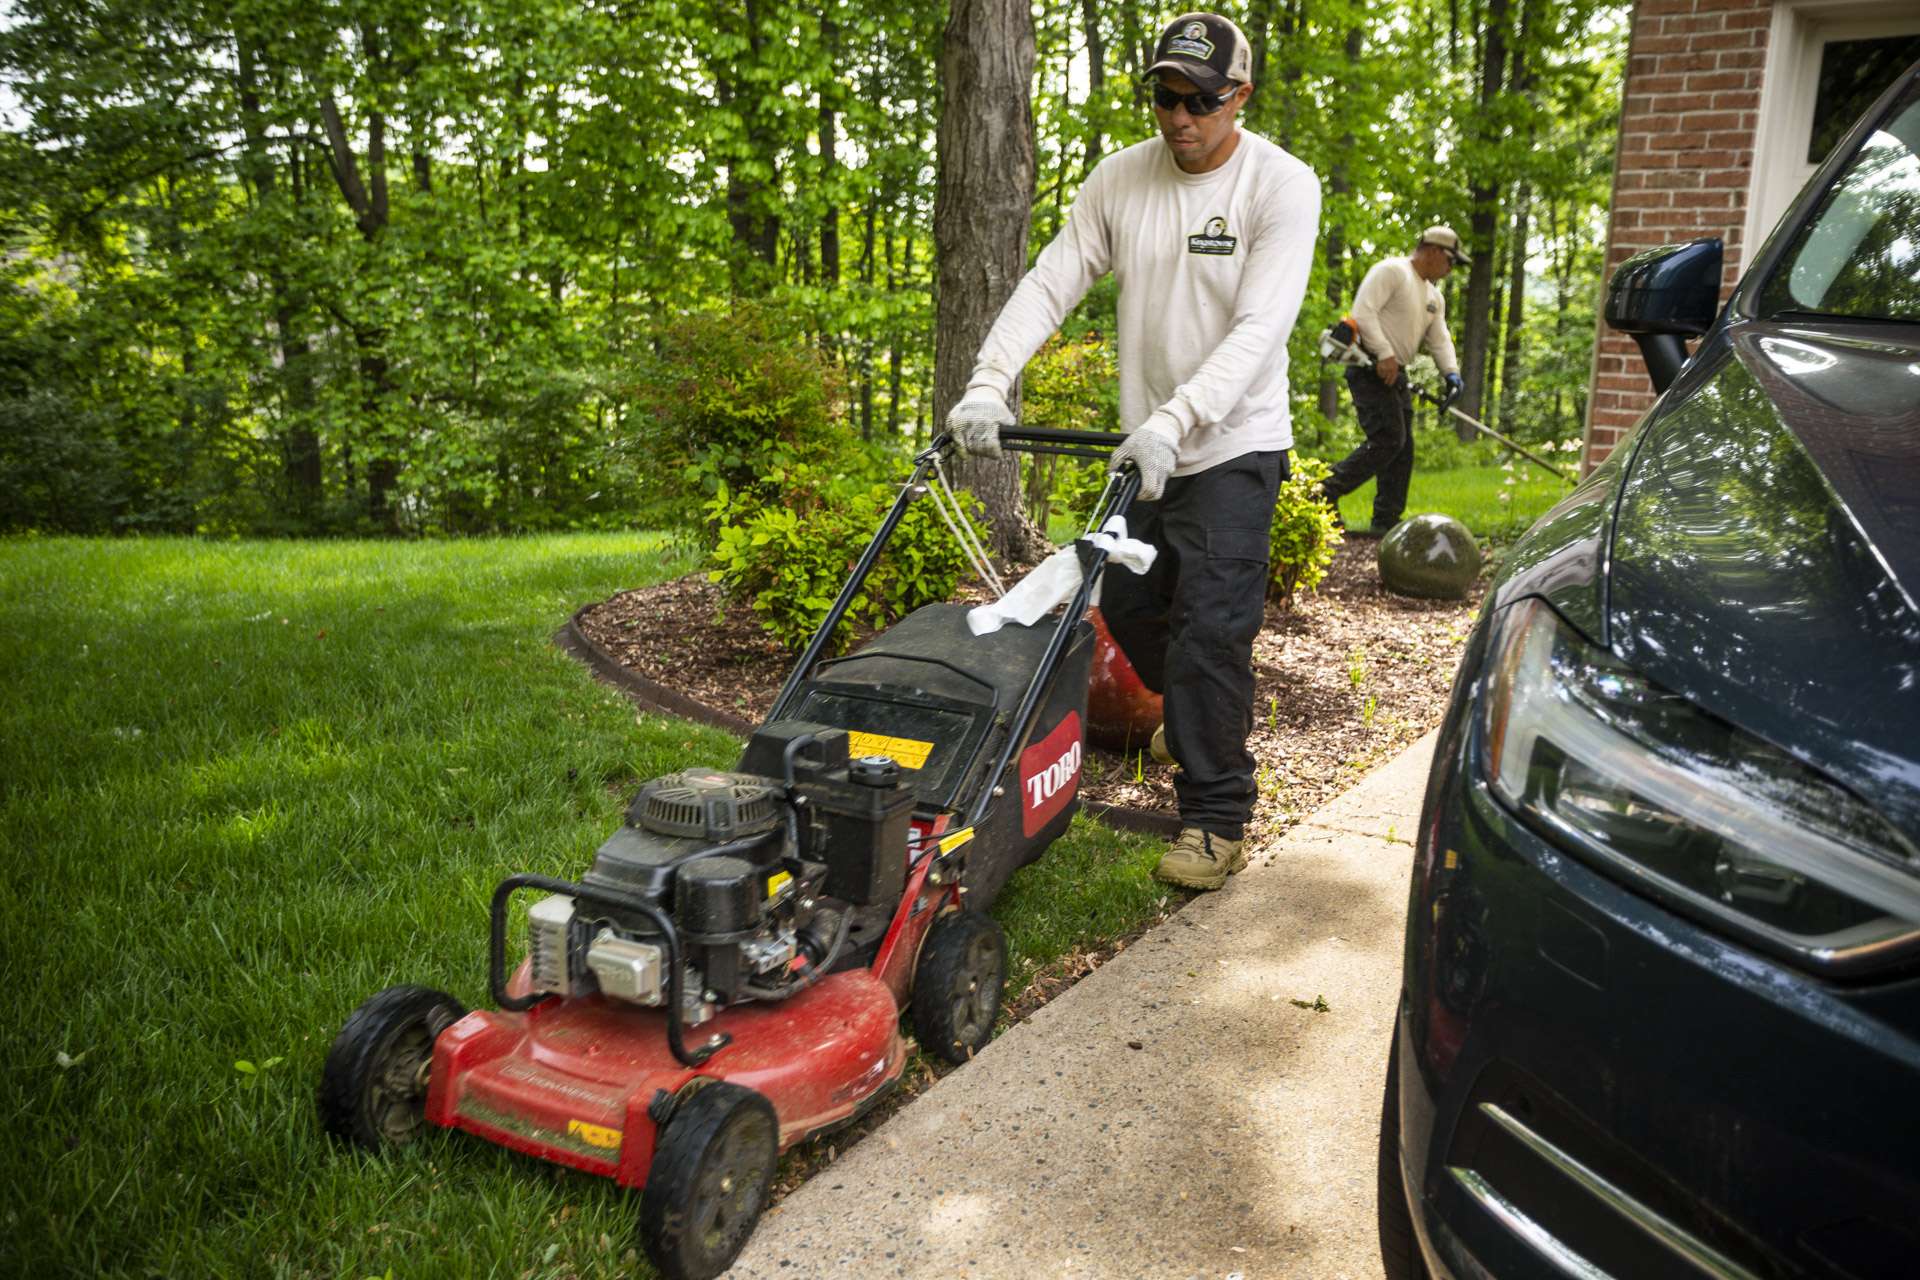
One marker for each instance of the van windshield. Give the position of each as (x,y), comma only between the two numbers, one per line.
(1859,255)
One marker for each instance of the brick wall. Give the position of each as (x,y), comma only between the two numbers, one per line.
(1689,108)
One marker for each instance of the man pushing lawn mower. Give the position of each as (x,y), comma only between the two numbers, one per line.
(728,976)
(1209,232)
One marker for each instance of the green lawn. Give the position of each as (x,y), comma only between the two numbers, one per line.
(1472,495)
(247,784)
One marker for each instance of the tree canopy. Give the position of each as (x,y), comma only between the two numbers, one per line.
(407,265)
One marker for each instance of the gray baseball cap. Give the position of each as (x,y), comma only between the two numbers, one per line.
(1205,48)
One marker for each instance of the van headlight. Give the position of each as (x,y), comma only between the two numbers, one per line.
(1688,808)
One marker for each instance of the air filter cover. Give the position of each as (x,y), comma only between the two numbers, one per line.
(706,804)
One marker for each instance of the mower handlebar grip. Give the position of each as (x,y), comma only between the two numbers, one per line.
(1016,436)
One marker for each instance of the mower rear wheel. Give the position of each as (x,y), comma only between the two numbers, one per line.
(373,1087)
(709,1182)
(957,985)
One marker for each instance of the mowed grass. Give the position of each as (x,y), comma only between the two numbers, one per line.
(1473,495)
(248,784)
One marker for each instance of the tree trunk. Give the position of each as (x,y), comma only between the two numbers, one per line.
(1484,221)
(1096,83)
(752,173)
(301,451)
(980,211)
(1338,186)
(895,368)
(829,163)
(368,200)
(1510,370)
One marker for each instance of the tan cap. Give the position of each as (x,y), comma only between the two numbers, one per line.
(1446,238)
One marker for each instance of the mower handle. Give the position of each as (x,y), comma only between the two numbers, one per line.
(1084,444)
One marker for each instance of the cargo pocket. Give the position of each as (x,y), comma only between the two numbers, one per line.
(1237,544)
(1232,591)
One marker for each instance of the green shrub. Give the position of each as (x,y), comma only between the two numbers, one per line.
(1304,533)
(789,557)
(1069,386)
(729,403)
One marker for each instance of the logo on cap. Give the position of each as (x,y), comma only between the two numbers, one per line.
(1192,42)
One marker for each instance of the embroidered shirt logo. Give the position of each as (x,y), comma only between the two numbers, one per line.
(1214,239)
(1192,42)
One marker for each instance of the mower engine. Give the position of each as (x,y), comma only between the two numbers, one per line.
(760,878)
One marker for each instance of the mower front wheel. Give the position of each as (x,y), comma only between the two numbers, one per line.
(373,1087)
(957,985)
(709,1181)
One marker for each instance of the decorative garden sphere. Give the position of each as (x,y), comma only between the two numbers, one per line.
(1122,713)
(1432,555)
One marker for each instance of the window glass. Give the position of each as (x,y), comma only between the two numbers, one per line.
(1859,255)
(1853,74)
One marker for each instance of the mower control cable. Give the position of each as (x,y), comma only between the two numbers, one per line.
(962,530)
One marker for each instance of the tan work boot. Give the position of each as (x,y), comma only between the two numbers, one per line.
(1158,747)
(1201,860)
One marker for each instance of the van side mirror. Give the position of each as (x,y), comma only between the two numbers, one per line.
(1663,296)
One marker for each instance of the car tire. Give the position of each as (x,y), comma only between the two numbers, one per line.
(1399,1248)
(957,985)
(710,1180)
(373,1086)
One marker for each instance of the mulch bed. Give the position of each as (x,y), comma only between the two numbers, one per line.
(1344,679)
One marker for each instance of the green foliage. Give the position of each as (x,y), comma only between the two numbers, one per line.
(1069,385)
(728,404)
(789,557)
(1305,533)
(300,269)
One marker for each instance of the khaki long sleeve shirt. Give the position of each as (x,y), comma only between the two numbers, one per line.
(1395,311)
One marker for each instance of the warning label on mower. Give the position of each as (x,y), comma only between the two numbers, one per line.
(1050,775)
(908,753)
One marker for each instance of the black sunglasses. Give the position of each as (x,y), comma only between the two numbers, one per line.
(1201,103)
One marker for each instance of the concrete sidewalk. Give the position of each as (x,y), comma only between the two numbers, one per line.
(1174,1114)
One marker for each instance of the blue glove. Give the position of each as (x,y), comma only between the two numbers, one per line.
(1455,389)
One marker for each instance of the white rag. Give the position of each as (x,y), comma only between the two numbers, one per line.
(1055,579)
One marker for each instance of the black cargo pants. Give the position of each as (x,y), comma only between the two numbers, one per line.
(1386,416)
(1187,626)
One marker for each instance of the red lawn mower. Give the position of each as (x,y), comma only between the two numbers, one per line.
(727,978)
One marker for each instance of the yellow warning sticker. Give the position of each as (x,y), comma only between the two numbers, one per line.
(776,882)
(594,1135)
(908,753)
(949,843)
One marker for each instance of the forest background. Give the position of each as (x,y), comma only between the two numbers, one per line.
(461,266)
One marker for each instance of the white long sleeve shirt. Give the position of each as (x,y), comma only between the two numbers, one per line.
(1211,267)
(1395,309)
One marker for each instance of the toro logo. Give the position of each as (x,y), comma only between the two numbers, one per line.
(1050,775)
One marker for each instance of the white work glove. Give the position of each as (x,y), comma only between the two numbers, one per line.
(976,421)
(1152,448)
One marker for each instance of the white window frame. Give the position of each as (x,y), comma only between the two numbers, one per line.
(1790,84)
